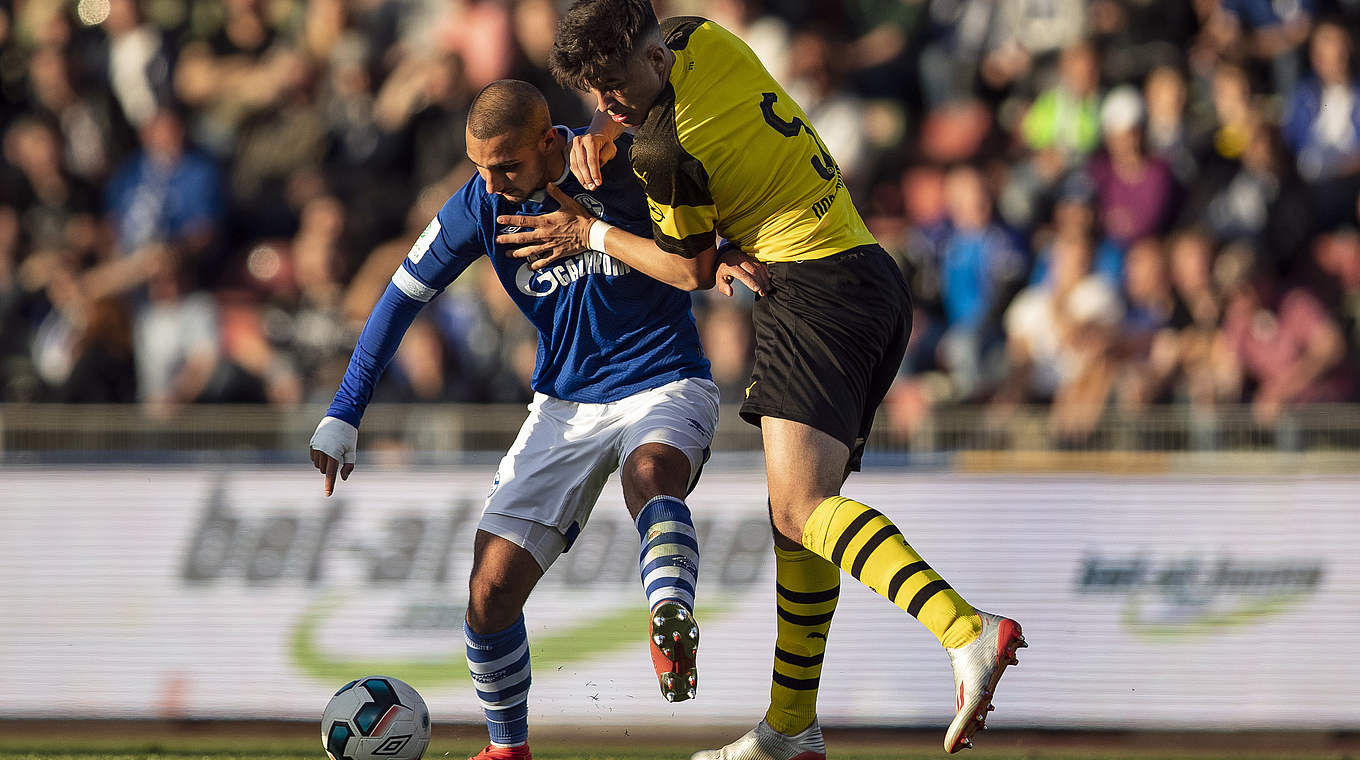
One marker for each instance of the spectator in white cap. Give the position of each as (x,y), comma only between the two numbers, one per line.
(1135,192)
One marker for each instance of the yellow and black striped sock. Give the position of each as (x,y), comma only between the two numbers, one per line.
(863,542)
(806,590)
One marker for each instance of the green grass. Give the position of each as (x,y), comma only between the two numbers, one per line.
(82,743)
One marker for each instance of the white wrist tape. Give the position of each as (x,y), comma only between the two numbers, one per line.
(598,228)
(337,439)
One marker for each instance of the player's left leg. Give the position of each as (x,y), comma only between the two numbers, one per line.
(866,544)
(663,453)
(504,572)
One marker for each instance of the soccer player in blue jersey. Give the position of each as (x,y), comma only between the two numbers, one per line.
(620,382)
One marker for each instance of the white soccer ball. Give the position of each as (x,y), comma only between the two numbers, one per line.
(375,718)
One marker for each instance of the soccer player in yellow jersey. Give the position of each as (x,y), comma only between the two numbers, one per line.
(721,150)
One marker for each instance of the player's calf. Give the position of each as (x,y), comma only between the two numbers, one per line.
(669,564)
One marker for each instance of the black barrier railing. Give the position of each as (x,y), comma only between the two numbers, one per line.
(415,433)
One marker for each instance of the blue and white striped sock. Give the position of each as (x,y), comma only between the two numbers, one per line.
(499,663)
(670,552)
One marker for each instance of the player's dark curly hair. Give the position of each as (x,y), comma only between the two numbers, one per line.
(597,36)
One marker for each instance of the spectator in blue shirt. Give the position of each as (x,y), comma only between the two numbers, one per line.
(982,265)
(1322,124)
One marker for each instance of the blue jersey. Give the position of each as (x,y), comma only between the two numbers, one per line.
(605,331)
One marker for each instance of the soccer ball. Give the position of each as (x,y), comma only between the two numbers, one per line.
(375,718)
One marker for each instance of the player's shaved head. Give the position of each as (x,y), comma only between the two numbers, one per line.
(506,106)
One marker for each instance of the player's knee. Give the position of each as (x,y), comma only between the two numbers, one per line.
(492,605)
(661,470)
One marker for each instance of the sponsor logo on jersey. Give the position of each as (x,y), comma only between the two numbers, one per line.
(545,282)
(423,242)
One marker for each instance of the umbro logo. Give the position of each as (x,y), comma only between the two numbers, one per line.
(511,230)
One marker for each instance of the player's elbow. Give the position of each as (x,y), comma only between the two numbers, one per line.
(701,280)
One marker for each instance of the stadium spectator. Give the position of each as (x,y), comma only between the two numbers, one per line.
(1284,345)
(981,266)
(1168,132)
(1060,338)
(165,194)
(1256,199)
(136,62)
(175,339)
(1135,192)
(1322,124)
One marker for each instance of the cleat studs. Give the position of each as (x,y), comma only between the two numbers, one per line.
(680,614)
(967,743)
(691,693)
(693,681)
(659,639)
(670,696)
(693,632)
(991,708)
(675,636)
(658,620)
(669,653)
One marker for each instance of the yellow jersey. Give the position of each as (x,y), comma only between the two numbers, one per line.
(724,149)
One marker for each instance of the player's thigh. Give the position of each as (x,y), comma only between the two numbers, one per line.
(666,441)
(504,573)
(556,468)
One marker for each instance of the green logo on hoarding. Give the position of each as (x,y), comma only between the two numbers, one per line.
(555,646)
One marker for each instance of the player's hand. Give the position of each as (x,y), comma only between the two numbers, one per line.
(590,152)
(548,238)
(333,449)
(735,265)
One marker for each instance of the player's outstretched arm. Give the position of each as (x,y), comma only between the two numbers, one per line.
(594,149)
(549,238)
(334,445)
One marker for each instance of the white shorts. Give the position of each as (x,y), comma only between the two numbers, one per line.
(565,452)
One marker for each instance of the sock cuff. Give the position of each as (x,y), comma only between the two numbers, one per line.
(662,509)
(801,554)
(817,527)
(512,635)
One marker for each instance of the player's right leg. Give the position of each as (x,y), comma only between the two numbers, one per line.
(504,572)
(668,433)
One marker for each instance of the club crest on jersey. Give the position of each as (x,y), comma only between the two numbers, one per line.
(545,282)
(595,208)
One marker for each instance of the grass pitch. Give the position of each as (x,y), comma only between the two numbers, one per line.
(113,741)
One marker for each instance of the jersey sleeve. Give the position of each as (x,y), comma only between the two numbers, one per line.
(454,239)
(447,246)
(684,218)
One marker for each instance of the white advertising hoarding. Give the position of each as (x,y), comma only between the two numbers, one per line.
(1149,601)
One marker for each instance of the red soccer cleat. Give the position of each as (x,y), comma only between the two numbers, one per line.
(674,639)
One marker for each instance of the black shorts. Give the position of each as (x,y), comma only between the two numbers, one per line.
(830,338)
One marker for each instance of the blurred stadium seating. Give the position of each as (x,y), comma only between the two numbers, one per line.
(1129,216)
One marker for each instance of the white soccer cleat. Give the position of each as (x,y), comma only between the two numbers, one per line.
(977,669)
(765,743)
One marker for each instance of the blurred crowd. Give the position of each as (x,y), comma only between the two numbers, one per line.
(1100,204)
